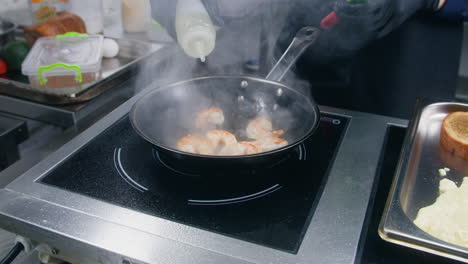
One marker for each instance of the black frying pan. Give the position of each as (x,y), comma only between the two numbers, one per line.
(162,116)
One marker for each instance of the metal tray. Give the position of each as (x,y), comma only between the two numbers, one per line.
(417,180)
(112,71)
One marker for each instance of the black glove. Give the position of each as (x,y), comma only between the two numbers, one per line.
(346,26)
(382,16)
(352,25)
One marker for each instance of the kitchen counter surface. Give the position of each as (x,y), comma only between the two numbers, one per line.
(349,202)
(46,138)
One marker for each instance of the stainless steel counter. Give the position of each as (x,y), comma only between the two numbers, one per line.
(94,231)
(18,97)
(51,126)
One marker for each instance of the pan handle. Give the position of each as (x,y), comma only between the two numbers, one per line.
(303,39)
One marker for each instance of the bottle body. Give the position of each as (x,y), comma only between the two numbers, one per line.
(91,11)
(195,31)
(135,14)
(112,17)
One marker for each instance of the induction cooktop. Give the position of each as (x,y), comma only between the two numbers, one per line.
(271,206)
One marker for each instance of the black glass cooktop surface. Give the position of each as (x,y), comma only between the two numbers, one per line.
(269,206)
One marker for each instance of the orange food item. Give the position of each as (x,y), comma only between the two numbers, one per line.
(454,134)
(44,12)
(62,23)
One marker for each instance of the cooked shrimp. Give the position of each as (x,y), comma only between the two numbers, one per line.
(221,137)
(225,143)
(222,142)
(270,143)
(209,118)
(248,148)
(230,150)
(197,144)
(261,128)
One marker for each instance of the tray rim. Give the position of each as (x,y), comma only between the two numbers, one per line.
(421,240)
(35,95)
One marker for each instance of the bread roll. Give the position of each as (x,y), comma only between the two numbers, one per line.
(454,134)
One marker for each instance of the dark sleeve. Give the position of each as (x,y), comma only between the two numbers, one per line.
(163,11)
(454,10)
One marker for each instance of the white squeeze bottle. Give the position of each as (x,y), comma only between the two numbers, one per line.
(195,31)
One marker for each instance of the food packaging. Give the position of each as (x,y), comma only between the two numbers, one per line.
(44,9)
(62,23)
(64,63)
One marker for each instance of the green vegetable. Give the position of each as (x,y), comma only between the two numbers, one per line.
(14,54)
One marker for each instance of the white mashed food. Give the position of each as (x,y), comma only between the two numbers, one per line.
(447,218)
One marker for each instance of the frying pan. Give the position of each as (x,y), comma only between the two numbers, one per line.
(164,115)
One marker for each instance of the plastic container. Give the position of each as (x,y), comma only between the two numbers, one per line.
(195,31)
(62,64)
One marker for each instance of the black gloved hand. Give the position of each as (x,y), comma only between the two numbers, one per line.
(379,17)
(352,25)
(346,26)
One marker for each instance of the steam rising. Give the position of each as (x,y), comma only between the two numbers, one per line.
(250,32)
(253,38)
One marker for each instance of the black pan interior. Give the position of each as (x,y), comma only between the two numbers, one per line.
(165,115)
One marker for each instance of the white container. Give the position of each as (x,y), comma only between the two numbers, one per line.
(91,11)
(112,10)
(62,64)
(195,31)
(135,14)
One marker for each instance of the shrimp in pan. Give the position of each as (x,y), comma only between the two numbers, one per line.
(197,144)
(226,144)
(247,148)
(261,128)
(209,118)
(223,141)
(221,137)
(270,143)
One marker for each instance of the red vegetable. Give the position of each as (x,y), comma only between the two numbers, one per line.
(3,67)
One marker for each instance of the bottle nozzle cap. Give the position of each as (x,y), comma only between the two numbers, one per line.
(199,50)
